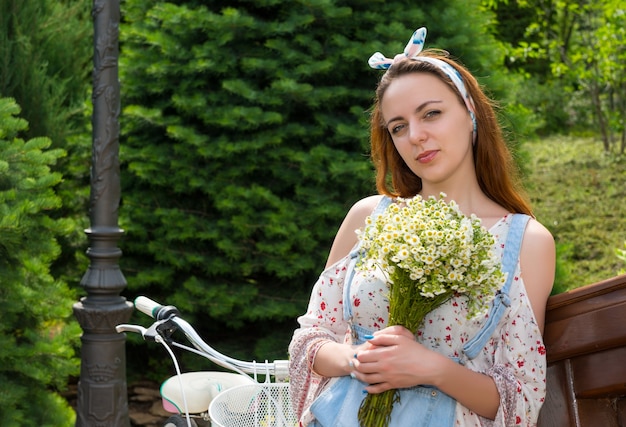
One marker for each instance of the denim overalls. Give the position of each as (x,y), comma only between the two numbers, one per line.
(419,406)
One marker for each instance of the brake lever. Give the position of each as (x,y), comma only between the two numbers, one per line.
(130,328)
(161,328)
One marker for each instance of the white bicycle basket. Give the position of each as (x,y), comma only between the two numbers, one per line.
(253,405)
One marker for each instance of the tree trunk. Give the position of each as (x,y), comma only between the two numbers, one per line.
(594,91)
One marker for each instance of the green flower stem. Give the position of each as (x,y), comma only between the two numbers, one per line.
(407,308)
(373,411)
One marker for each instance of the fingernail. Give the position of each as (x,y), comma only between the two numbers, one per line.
(368,337)
(355,355)
(352,375)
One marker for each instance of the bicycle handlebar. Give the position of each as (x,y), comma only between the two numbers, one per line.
(278,368)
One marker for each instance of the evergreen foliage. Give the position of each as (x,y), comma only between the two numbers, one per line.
(45,57)
(44,51)
(245,141)
(37,338)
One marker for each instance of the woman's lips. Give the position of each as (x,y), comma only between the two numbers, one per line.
(427,156)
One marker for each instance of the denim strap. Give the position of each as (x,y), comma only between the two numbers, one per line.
(355,254)
(502,300)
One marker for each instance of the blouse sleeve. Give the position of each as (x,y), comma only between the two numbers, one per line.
(519,370)
(322,322)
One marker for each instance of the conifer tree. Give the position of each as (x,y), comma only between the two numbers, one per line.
(46,51)
(46,54)
(37,336)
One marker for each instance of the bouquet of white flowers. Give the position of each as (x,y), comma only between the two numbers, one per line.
(429,252)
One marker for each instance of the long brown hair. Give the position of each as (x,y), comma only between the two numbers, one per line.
(496,171)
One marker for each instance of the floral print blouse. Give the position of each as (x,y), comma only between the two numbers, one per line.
(514,357)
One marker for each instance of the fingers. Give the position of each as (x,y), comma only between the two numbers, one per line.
(371,378)
(388,360)
(396,330)
(378,388)
(375,381)
(372,365)
(376,355)
(387,338)
(380,351)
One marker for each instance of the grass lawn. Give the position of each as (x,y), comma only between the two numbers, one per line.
(579,194)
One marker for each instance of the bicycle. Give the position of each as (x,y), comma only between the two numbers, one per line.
(213,398)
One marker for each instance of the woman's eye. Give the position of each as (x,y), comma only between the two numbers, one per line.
(432,113)
(395,129)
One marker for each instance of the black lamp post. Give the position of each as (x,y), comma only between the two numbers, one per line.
(102,394)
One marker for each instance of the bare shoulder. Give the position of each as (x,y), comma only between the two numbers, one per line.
(537,237)
(346,237)
(364,207)
(538,265)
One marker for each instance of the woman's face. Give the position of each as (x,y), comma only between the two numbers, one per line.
(430,128)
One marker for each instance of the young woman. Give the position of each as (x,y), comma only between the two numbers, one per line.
(433,131)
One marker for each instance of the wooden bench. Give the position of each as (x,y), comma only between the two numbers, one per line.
(585,339)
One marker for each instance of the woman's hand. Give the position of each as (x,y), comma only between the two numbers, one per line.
(393,359)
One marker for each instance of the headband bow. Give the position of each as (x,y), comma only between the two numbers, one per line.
(412,50)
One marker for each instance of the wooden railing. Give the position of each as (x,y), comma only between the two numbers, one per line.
(585,338)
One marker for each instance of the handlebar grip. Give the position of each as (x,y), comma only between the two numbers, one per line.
(147,306)
(154,309)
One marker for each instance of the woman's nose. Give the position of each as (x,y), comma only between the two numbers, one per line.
(417,135)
